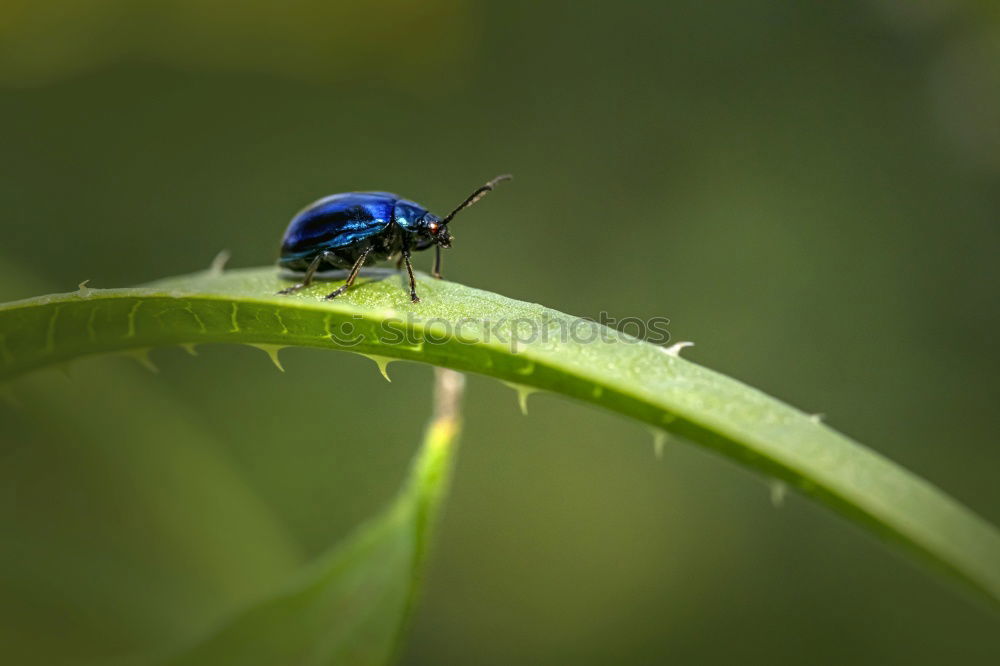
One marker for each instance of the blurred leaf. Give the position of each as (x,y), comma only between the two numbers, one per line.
(531,347)
(118,513)
(305,39)
(350,607)
(119,519)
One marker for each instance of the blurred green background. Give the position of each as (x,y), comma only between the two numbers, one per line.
(809,190)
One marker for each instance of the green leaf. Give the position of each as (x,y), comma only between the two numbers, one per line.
(476,331)
(350,607)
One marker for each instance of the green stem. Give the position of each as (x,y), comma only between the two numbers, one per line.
(430,479)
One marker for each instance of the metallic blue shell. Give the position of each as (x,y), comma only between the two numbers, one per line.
(337,221)
(342,220)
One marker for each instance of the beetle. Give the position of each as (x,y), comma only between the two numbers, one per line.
(352,229)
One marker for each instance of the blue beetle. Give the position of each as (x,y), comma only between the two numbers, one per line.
(354,228)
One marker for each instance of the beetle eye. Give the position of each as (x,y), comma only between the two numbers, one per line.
(433,226)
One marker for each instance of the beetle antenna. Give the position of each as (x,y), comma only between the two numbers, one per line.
(476,196)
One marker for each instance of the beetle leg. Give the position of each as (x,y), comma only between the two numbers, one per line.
(350,278)
(310,272)
(437,262)
(413,283)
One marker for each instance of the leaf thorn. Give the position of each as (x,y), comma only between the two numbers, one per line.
(522,394)
(779,490)
(272,352)
(659,442)
(382,362)
(219,262)
(142,356)
(675,349)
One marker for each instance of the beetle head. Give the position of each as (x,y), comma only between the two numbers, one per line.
(436,231)
(431,229)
